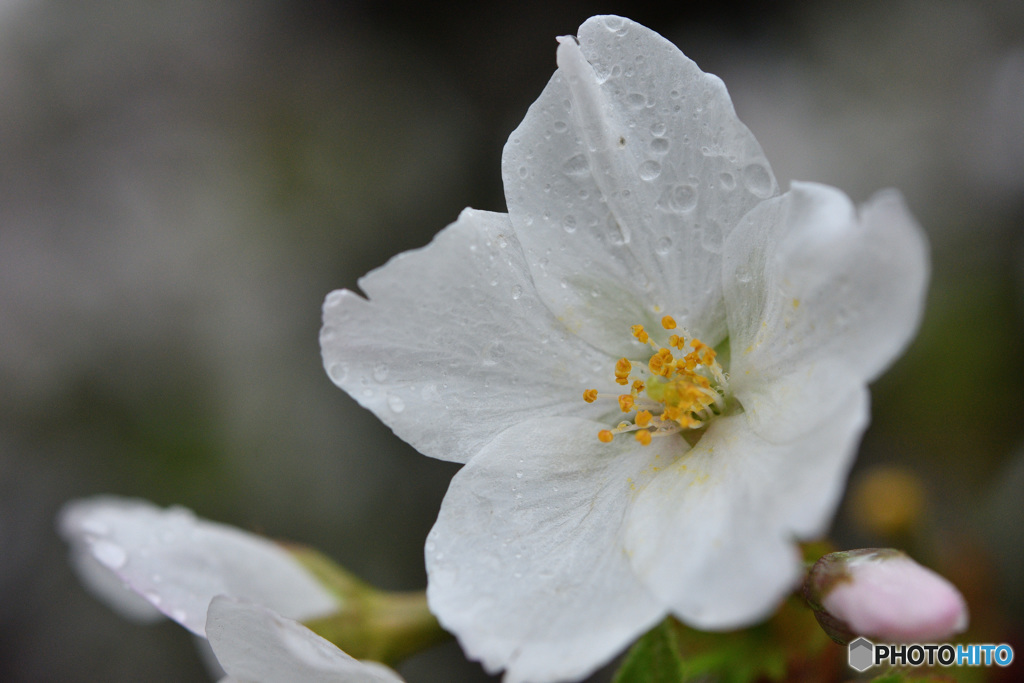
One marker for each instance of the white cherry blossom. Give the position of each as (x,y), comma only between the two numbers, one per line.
(178,562)
(654,366)
(219,582)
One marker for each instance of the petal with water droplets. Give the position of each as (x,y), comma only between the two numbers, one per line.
(178,562)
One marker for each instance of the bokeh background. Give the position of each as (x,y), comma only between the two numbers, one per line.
(182,183)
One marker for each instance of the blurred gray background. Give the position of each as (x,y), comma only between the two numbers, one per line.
(182,183)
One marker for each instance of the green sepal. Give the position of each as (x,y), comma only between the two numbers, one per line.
(382,626)
(654,658)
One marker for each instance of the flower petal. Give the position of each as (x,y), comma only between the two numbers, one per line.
(624,179)
(454,345)
(821,299)
(179,563)
(255,645)
(712,535)
(526,562)
(106,586)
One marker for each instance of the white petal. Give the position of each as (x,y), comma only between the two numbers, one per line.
(821,299)
(526,563)
(255,645)
(106,586)
(623,180)
(454,345)
(179,563)
(713,534)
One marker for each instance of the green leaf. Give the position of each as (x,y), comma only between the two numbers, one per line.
(790,645)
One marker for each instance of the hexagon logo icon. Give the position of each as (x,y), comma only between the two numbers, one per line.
(862,654)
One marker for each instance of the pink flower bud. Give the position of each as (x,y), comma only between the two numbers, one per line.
(882,594)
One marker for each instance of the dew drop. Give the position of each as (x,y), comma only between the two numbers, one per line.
(678,199)
(396,404)
(519,475)
(523,172)
(615,24)
(110,555)
(517,291)
(660,145)
(758,180)
(333,299)
(560,126)
(664,245)
(658,129)
(636,100)
(569,223)
(380,372)
(95,527)
(577,165)
(337,372)
(728,180)
(649,170)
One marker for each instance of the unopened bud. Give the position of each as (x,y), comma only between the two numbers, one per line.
(882,594)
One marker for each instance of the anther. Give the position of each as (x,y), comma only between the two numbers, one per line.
(626,403)
(644,437)
(605,436)
(668,322)
(590,395)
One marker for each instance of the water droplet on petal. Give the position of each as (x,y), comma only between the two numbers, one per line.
(658,129)
(109,554)
(95,527)
(380,372)
(758,180)
(649,170)
(560,126)
(517,291)
(636,100)
(396,404)
(660,145)
(577,165)
(569,223)
(523,172)
(337,372)
(615,24)
(678,198)
(664,245)
(728,180)
(519,475)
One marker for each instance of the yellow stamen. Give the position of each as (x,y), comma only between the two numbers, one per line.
(622,370)
(682,394)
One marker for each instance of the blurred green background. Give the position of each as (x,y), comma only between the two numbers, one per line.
(182,183)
